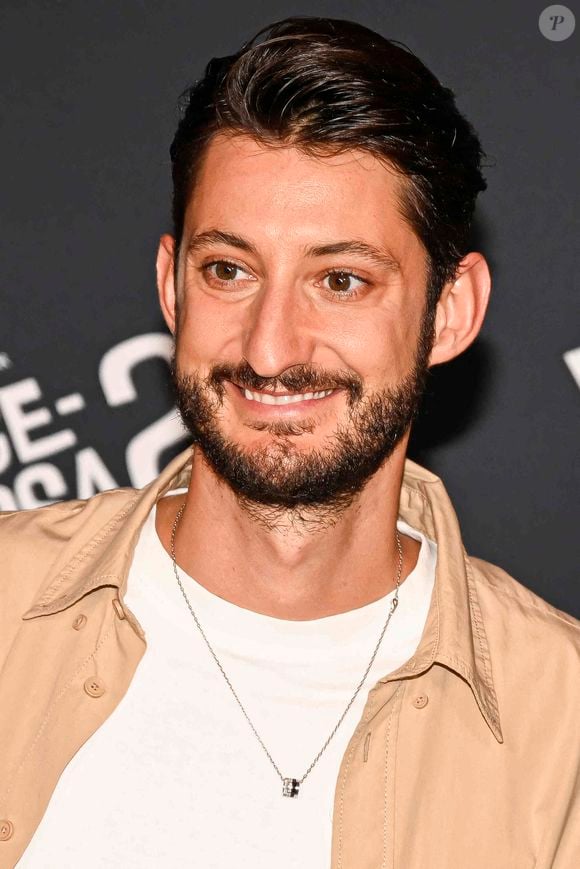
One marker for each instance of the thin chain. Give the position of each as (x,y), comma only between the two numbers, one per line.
(392,608)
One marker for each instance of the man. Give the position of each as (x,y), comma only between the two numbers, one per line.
(278,652)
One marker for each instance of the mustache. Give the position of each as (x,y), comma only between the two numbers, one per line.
(299,378)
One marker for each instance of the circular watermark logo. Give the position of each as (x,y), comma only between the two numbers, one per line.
(557,23)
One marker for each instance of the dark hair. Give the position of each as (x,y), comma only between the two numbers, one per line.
(328,85)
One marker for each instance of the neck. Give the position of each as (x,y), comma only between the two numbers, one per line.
(284,569)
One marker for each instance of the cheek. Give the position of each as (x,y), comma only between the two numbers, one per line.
(381,348)
(206,335)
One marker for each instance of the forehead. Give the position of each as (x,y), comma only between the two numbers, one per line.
(289,196)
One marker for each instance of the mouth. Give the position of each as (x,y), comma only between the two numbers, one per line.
(281,402)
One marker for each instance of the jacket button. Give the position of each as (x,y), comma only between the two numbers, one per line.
(79,622)
(6,830)
(94,687)
(420,701)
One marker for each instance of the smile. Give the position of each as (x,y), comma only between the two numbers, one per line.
(288,398)
(270,405)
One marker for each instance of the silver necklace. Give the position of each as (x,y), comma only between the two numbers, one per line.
(290,786)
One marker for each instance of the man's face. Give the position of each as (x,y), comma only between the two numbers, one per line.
(263,317)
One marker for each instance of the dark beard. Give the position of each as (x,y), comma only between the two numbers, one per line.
(278,478)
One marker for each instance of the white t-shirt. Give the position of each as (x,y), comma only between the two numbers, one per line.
(175,777)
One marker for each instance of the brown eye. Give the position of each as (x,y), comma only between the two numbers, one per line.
(339,282)
(225,271)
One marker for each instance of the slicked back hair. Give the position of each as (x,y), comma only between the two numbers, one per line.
(327,86)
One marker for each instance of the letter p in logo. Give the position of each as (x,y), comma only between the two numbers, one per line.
(557,23)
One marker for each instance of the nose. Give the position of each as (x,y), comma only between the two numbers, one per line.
(277,333)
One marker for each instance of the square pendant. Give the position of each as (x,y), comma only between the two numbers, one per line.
(290,787)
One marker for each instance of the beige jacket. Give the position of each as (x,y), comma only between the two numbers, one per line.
(466,757)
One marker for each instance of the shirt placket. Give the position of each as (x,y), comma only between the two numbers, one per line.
(363,820)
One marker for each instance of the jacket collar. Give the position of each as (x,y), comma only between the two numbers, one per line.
(454,633)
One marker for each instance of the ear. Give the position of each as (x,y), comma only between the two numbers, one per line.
(166,280)
(461,309)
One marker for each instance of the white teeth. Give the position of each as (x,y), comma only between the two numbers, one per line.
(268,398)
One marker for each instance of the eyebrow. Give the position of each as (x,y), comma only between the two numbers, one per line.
(381,258)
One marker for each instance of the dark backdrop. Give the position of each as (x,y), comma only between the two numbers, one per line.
(88,109)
